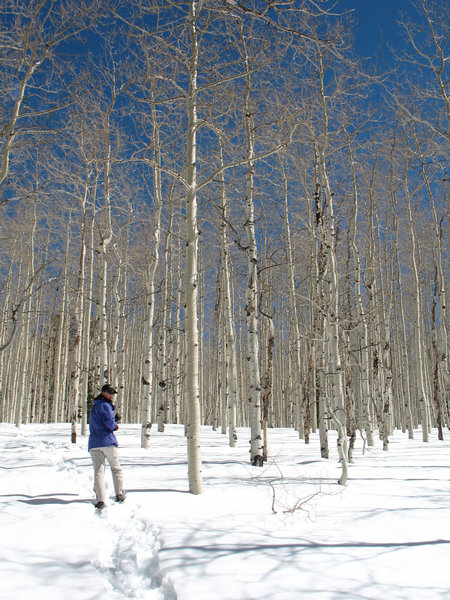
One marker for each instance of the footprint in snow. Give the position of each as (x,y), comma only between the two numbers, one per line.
(132,568)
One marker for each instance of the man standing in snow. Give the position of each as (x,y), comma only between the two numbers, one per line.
(103,445)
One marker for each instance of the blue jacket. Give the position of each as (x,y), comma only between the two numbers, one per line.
(102,424)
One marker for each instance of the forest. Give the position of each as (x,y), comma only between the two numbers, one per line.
(221,209)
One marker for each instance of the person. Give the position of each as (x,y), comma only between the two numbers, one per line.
(103,445)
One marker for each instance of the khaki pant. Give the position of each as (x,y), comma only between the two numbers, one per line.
(111,454)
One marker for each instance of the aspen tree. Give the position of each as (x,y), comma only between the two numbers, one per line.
(38,412)
(163,380)
(76,325)
(192,357)
(8,328)
(428,36)
(147,373)
(124,318)
(385,361)
(440,336)
(251,308)
(224,377)
(106,236)
(332,325)
(60,346)
(23,385)
(12,309)
(115,322)
(37,29)
(179,398)
(372,290)
(267,384)
(428,112)
(231,360)
(172,322)
(15,320)
(404,355)
(362,319)
(87,316)
(201,328)
(351,383)
(418,314)
(297,368)
(319,326)
(77,317)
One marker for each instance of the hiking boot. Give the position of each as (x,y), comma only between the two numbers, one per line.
(120,497)
(100,505)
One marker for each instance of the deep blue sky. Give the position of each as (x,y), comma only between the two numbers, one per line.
(376,24)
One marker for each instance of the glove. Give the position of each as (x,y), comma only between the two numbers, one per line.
(116,428)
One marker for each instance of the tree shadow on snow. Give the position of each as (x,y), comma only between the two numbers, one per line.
(153,490)
(47,499)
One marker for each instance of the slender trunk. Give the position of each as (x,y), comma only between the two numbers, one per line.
(59,357)
(256,447)
(162,390)
(362,320)
(231,359)
(440,335)
(77,323)
(418,318)
(332,329)
(87,318)
(319,326)
(191,275)
(147,376)
(23,388)
(297,366)
(404,355)
(267,384)
(105,240)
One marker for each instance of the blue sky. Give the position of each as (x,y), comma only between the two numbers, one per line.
(376,23)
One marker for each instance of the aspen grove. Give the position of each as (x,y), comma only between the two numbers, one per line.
(217,207)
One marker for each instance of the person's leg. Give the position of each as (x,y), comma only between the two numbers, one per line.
(98,460)
(112,454)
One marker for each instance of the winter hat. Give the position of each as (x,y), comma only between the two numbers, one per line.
(109,389)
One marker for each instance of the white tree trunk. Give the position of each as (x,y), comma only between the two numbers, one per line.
(363,327)
(297,366)
(231,359)
(418,322)
(147,371)
(334,357)
(77,324)
(162,388)
(442,376)
(191,275)
(251,293)
(59,358)
(403,350)
(87,318)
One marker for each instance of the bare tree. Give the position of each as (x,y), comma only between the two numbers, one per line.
(37,29)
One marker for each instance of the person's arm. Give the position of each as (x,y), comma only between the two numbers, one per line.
(108,418)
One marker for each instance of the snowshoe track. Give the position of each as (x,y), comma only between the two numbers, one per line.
(129,560)
(132,567)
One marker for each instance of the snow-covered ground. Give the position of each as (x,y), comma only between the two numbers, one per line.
(283,532)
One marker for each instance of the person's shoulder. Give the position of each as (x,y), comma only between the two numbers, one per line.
(105,406)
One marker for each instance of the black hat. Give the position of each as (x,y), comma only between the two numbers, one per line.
(109,389)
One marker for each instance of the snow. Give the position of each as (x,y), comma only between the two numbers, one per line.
(282,532)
